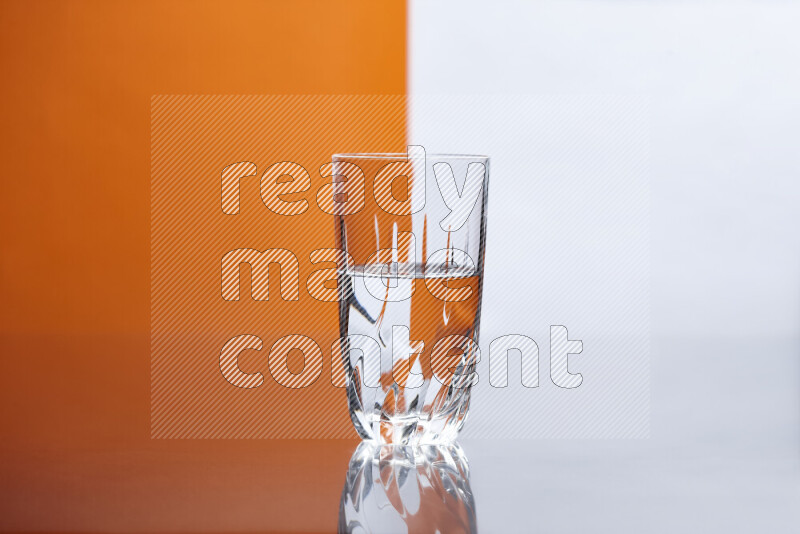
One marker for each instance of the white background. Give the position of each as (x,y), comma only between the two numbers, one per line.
(723,85)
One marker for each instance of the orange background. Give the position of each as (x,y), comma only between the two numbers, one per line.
(78,78)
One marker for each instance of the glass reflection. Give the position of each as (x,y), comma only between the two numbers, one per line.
(424,488)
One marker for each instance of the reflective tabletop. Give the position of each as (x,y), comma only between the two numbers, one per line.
(722,457)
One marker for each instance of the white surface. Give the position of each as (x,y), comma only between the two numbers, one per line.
(723,456)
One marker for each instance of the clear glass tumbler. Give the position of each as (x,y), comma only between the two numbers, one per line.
(413,227)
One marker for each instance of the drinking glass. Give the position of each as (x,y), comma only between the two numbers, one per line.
(413,227)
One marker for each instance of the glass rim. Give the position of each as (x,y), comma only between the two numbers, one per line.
(403,155)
